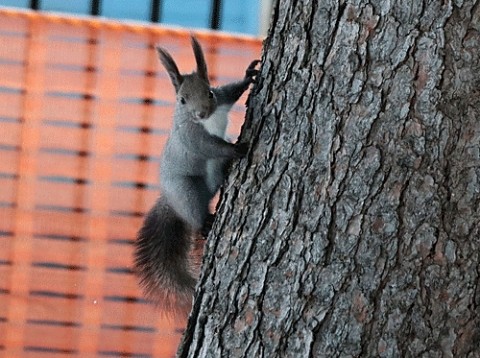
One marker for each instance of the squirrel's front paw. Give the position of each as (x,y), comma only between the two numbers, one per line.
(207,225)
(241,150)
(251,71)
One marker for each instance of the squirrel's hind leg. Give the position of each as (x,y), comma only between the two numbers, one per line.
(189,197)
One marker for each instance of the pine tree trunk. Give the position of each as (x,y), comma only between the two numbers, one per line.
(352,227)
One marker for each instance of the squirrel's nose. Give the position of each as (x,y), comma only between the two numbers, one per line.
(201,114)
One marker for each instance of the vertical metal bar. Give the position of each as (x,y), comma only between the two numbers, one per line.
(215,14)
(34,4)
(95,7)
(156,11)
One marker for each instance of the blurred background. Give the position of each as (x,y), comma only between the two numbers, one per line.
(85,109)
(246,16)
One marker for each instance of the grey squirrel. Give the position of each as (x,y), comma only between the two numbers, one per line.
(191,171)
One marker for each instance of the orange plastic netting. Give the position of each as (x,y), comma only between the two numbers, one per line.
(84,112)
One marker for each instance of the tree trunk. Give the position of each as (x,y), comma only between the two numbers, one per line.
(352,227)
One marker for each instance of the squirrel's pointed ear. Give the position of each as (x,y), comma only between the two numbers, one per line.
(200,59)
(171,67)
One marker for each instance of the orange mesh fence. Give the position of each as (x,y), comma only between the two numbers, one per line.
(85,109)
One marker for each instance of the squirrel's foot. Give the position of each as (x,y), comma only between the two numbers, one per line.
(207,225)
(252,72)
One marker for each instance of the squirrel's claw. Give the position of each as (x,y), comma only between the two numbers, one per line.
(241,150)
(207,225)
(251,71)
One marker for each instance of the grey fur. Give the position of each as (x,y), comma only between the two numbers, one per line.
(191,171)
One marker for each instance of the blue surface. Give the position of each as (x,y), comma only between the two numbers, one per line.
(187,13)
(241,16)
(15,3)
(77,6)
(126,9)
(237,16)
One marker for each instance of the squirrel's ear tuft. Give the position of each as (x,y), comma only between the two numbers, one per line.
(171,67)
(200,59)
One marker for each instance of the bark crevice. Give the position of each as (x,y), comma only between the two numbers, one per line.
(352,227)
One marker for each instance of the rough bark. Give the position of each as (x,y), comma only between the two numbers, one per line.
(352,228)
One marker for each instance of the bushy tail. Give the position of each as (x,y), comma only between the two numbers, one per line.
(162,259)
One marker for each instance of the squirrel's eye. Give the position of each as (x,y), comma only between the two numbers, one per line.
(210,94)
(182,100)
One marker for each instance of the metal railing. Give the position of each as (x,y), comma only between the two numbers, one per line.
(155,10)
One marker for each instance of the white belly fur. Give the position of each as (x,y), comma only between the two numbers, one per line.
(217,123)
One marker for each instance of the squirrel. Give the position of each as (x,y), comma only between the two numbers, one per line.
(192,168)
